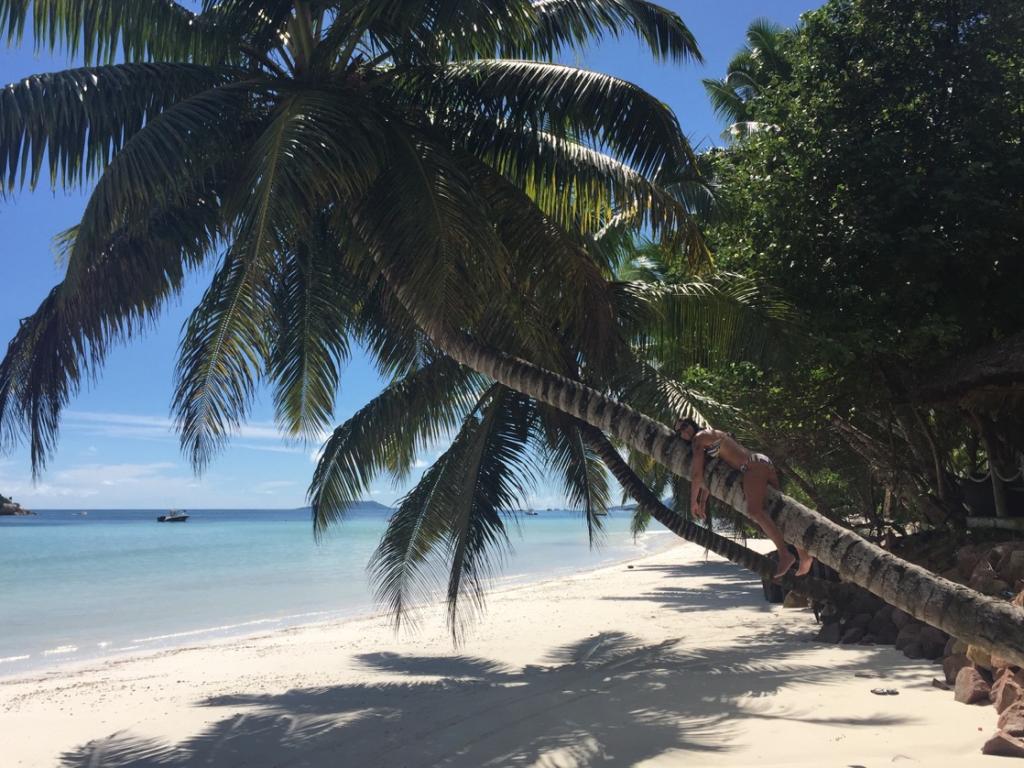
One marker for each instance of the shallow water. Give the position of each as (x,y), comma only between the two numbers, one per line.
(115,582)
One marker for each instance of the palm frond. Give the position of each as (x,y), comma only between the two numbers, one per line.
(572,23)
(67,339)
(282,179)
(460,501)
(557,278)
(766,40)
(579,188)
(584,480)
(102,30)
(73,122)
(424,224)
(722,318)
(223,352)
(312,308)
(409,416)
(168,161)
(566,102)
(727,104)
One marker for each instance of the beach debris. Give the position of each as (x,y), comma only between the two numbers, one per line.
(885,692)
(1005,745)
(971,687)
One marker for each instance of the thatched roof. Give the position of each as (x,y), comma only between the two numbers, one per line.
(990,380)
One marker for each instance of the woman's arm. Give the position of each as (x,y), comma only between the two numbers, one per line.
(697,490)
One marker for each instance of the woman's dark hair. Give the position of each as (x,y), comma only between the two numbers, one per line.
(683,423)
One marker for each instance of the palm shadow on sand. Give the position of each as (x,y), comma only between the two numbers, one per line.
(607,699)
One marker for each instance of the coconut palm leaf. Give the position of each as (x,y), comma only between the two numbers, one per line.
(724,317)
(571,23)
(456,509)
(561,174)
(74,122)
(727,104)
(66,340)
(762,59)
(101,30)
(575,300)
(423,224)
(584,478)
(312,306)
(565,102)
(166,162)
(222,355)
(411,415)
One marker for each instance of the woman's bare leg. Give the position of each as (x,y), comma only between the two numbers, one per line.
(755,481)
(806,558)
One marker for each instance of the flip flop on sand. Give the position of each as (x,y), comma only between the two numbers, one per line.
(885,692)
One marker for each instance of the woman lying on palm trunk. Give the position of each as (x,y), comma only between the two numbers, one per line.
(758,473)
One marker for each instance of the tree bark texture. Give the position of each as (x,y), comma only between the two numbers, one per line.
(995,625)
(731,550)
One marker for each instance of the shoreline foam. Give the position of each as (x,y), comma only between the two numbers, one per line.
(214,636)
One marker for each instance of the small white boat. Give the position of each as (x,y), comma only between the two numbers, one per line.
(532,512)
(83,513)
(174,516)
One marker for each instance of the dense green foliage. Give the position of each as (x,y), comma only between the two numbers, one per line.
(883,197)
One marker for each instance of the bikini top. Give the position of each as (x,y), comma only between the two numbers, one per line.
(713,449)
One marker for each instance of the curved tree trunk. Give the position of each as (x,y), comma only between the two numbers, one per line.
(731,550)
(995,625)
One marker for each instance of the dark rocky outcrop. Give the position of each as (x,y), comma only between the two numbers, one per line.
(9,508)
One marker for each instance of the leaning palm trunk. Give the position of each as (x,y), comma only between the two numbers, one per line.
(995,625)
(731,550)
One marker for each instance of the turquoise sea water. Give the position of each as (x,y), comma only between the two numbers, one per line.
(118,582)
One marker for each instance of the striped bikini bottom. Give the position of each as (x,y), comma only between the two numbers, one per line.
(755,458)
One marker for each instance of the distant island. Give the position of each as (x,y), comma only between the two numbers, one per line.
(10,508)
(362,506)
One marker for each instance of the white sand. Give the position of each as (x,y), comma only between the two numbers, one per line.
(675,662)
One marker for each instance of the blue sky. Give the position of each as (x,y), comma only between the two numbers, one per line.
(117,448)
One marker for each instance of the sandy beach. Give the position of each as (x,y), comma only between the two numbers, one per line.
(674,659)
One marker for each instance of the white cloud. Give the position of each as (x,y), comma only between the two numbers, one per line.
(131,425)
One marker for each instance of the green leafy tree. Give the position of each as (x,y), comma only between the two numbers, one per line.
(887,208)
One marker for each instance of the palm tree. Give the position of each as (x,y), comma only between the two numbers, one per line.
(454,521)
(761,60)
(433,142)
(369,172)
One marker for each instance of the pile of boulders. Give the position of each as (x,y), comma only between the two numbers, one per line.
(858,617)
(979,677)
(854,616)
(992,569)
